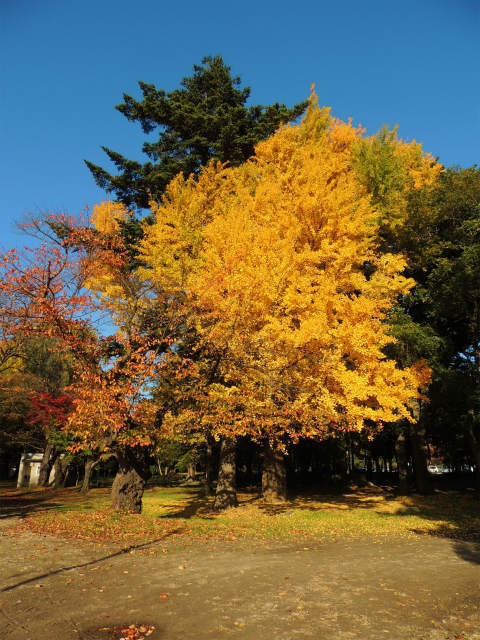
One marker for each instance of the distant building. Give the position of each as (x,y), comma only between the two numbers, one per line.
(29,470)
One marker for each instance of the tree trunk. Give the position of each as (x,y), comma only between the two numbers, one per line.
(61,471)
(423,481)
(274,477)
(369,465)
(226,493)
(475,447)
(191,472)
(46,465)
(401,448)
(209,471)
(249,478)
(159,465)
(129,483)
(90,464)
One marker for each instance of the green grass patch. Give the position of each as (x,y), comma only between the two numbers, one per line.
(177,512)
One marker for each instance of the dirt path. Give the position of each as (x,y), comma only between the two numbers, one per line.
(405,589)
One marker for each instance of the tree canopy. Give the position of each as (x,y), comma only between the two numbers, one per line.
(279,261)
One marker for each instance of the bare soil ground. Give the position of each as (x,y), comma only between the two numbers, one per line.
(423,588)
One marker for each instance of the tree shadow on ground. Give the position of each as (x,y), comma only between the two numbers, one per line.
(339,500)
(125,550)
(198,505)
(201,506)
(454,515)
(469,551)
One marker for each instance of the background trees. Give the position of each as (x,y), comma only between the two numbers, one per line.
(449,294)
(30,369)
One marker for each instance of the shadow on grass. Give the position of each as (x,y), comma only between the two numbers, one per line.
(22,503)
(455,515)
(336,500)
(196,506)
(200,506)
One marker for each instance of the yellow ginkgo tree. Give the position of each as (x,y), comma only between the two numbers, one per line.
(277,262)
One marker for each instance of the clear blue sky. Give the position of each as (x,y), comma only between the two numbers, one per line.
(66,64)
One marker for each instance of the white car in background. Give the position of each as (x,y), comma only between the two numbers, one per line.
(433,468)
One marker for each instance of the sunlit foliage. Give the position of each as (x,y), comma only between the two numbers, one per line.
(278,262)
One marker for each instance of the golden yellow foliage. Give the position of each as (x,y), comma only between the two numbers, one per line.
(106,273)
(422,167)
(277,260)
(106,215)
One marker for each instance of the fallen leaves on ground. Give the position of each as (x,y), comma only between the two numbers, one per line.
(184,513)
(130,632)
(103,526)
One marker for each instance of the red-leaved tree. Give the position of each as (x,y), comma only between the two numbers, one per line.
(43,293)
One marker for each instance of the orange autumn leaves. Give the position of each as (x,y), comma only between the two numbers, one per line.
(43,294)
(278,261)
(275,268)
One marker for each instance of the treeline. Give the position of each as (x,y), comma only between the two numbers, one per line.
(298,302)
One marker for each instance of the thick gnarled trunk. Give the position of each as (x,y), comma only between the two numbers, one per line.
(226,493)
(129,484)
(274,476)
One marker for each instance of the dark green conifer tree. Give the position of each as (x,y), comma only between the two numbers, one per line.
(206,118)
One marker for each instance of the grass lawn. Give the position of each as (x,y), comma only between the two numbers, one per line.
(182,511)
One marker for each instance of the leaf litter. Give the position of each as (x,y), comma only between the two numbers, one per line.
(129,632)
